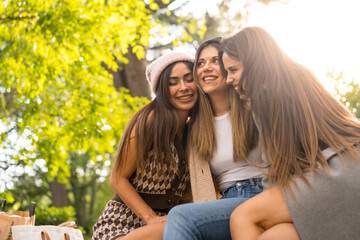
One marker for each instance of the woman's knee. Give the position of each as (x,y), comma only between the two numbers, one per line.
(180,216)
(239,216)
(180,223)
(177,213)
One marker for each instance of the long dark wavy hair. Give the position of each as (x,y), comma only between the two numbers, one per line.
(155,128)
(297,116)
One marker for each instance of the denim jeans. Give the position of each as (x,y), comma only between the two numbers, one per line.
(244,189)
(209,220)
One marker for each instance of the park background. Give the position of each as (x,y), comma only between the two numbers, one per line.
(72,74)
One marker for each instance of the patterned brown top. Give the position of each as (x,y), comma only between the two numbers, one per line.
(160,192)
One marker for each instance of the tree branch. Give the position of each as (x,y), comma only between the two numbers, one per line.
(9,19)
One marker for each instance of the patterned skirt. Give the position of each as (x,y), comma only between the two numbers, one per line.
(117,220)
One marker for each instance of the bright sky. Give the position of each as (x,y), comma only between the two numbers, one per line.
(320,34)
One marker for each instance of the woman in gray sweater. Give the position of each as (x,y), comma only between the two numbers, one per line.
(311,145)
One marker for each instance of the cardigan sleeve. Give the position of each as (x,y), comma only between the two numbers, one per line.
(201,181)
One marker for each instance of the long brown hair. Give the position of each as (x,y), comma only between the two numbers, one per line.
(155,129)
(297,117)
(202,133)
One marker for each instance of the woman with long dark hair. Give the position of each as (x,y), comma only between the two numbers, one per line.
(150,173)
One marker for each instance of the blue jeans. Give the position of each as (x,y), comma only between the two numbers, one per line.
(244,189)
(208,220)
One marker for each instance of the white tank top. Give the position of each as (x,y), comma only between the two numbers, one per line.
(226,171)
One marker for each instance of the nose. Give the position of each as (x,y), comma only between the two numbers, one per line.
(229,80)
(183,85)
(207,66)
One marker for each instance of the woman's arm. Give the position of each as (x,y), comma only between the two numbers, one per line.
(120,183)
(283,231)
(260,213)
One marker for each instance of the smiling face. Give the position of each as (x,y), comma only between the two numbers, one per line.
(234,70)
(209,72)
(183,92)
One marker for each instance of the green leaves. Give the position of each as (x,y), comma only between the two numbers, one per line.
(61,115)
(52,83)
(54,215)
(347,91)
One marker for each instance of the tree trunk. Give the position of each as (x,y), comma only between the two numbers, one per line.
(59,194)
(92,196)
(80,204)
(131,76)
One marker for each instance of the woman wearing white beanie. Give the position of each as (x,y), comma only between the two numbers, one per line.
(150,173)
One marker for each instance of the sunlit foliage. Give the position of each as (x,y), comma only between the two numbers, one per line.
(347,91)
(53,89)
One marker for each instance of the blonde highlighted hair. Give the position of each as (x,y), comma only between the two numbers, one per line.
(202,131)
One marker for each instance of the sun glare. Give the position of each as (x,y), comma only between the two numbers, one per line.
(322,35)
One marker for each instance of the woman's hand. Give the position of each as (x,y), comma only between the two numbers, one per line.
(156,219)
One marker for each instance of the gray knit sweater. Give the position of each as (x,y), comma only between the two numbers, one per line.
(330,210)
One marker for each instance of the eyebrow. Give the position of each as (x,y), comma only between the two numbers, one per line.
(185,75)
(231,67)
(203,59)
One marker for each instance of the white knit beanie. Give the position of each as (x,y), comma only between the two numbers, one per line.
(154,70)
